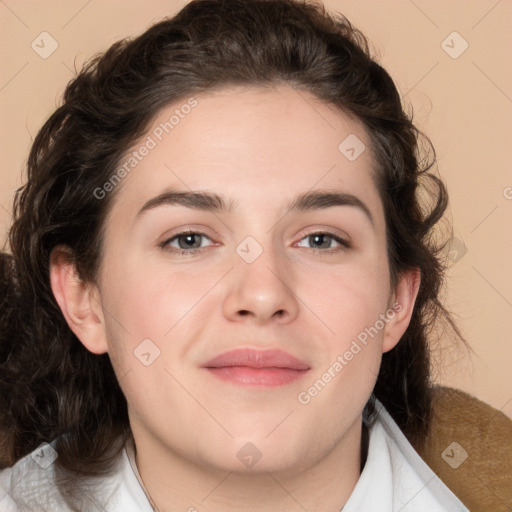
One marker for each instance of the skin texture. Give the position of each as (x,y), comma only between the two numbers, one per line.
(259,148)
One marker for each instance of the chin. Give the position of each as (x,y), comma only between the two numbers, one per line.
(257,455)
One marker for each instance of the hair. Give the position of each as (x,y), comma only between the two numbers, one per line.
(51,386)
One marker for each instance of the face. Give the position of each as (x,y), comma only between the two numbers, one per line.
(244,294)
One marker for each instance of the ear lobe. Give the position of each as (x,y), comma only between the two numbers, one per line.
(81,309)
(402,304)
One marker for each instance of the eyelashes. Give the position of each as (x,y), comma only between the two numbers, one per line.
(321,236)
(190,243)
(189,239)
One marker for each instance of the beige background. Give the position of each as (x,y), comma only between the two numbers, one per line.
(463,103)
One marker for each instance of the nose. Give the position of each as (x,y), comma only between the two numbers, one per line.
(261,291)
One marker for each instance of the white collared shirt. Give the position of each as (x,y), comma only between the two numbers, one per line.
(394,479)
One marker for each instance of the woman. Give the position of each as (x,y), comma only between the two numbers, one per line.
(223,278)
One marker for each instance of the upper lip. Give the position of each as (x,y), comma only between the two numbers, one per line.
(257,359)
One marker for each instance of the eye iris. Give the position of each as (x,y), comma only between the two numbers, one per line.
(321,240)
(190,241)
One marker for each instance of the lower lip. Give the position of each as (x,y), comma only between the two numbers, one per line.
(262,377)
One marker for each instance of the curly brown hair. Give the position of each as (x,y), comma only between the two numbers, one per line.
(51,386)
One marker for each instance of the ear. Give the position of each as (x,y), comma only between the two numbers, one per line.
(80,303)
(401,308)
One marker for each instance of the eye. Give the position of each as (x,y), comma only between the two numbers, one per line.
(186,242)
(325,242)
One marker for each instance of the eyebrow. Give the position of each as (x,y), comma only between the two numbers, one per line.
(211,202)
(196,200)
(318,200)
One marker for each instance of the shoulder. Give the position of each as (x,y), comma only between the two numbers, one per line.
(415,484)
(395,477)
(470,448)
(32,485)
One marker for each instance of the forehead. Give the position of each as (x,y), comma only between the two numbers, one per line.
(258,147)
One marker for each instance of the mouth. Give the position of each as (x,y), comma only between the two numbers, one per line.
(261,368)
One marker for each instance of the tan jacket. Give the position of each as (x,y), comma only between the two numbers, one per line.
(470,448)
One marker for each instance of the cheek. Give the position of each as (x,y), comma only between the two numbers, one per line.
(351,302)
(347,298)
(149,303)
(157,312)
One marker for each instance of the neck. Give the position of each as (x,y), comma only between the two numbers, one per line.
(176,484)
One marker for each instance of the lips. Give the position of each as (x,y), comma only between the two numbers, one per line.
(249,367)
